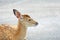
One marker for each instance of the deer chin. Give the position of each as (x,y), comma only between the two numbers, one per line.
(29,25)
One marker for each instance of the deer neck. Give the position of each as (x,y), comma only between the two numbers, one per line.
(21,30)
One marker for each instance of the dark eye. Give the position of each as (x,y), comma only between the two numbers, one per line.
(29,19)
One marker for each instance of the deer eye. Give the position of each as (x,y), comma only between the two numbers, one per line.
(29,19)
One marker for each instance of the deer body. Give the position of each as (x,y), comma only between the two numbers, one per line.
(9,33)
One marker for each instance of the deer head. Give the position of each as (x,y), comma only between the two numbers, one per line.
(24,19)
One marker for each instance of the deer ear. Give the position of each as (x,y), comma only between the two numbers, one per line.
(17,13)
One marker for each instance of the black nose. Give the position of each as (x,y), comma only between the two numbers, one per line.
(36,23)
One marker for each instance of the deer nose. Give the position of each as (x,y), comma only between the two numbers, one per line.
(36,23)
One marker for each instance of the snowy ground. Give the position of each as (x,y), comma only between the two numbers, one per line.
(46,14)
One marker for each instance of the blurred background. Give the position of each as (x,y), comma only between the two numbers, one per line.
(45,12)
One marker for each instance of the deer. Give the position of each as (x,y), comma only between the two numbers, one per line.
(9,33)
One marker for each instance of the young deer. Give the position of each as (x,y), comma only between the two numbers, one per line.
(9,33)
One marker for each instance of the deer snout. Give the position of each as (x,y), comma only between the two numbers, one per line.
(36,23)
